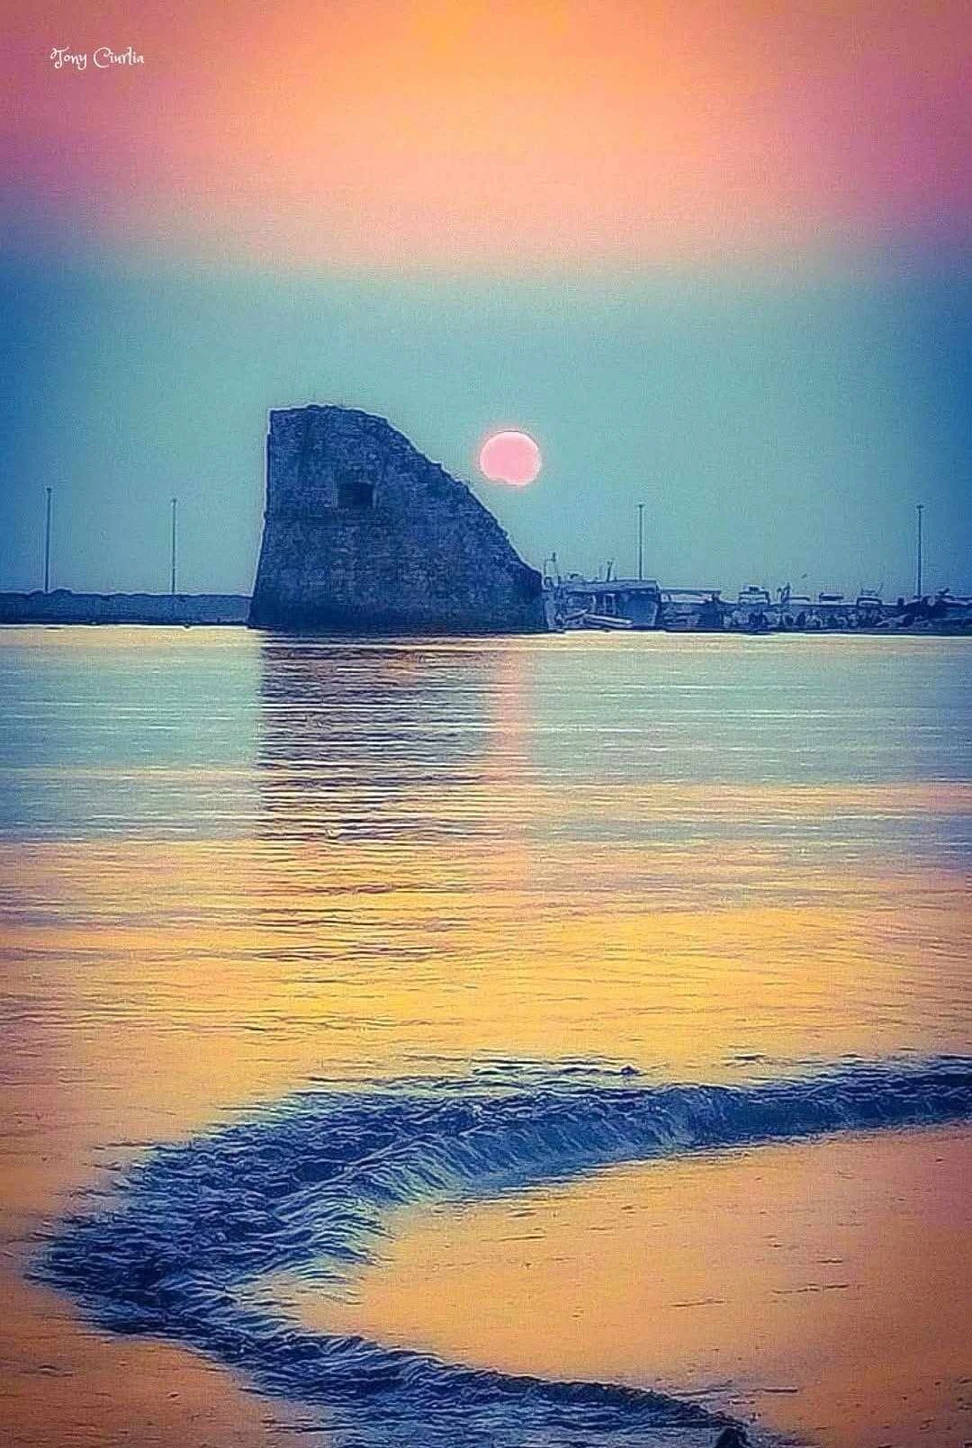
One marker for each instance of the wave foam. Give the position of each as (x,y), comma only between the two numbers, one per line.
(308,1185)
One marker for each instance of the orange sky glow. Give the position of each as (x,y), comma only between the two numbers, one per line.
(524,132)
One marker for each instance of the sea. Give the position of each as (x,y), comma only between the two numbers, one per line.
(539,1042)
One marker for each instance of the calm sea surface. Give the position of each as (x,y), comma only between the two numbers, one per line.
(236,867)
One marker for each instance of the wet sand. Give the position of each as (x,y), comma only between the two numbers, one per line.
(818,1288)
(66,1386)
(159,987)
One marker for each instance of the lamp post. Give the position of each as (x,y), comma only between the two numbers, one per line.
(641,541)
(918,550)
(47,543)
(172,556)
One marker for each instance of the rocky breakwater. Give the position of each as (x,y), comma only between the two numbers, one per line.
(63,606)
(362,534)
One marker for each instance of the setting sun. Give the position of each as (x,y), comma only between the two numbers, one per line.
(510,457)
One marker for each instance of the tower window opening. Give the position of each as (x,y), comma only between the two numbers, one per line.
(354,493)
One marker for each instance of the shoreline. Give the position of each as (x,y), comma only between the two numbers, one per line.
(183,610)
(716,1268)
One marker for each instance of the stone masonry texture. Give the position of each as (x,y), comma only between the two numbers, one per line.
(362,534)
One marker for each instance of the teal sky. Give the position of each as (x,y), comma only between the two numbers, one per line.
(775,423)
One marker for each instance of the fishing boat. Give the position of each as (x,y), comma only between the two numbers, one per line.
(608,603)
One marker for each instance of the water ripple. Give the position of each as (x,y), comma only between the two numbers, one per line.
(182,1244)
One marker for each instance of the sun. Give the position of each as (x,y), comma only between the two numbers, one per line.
(510,457)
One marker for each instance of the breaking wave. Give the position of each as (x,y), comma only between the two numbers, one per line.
(307,1186)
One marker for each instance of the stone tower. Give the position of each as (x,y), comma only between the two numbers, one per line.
(362,534)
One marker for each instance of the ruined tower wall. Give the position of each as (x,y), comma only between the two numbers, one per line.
(363,534)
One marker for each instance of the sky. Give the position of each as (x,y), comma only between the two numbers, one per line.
(715,257)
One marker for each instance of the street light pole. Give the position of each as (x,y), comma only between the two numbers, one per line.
(641,541)
(47,544)
(918,551)
(172,571)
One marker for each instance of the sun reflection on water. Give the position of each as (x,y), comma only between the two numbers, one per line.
(278,860)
